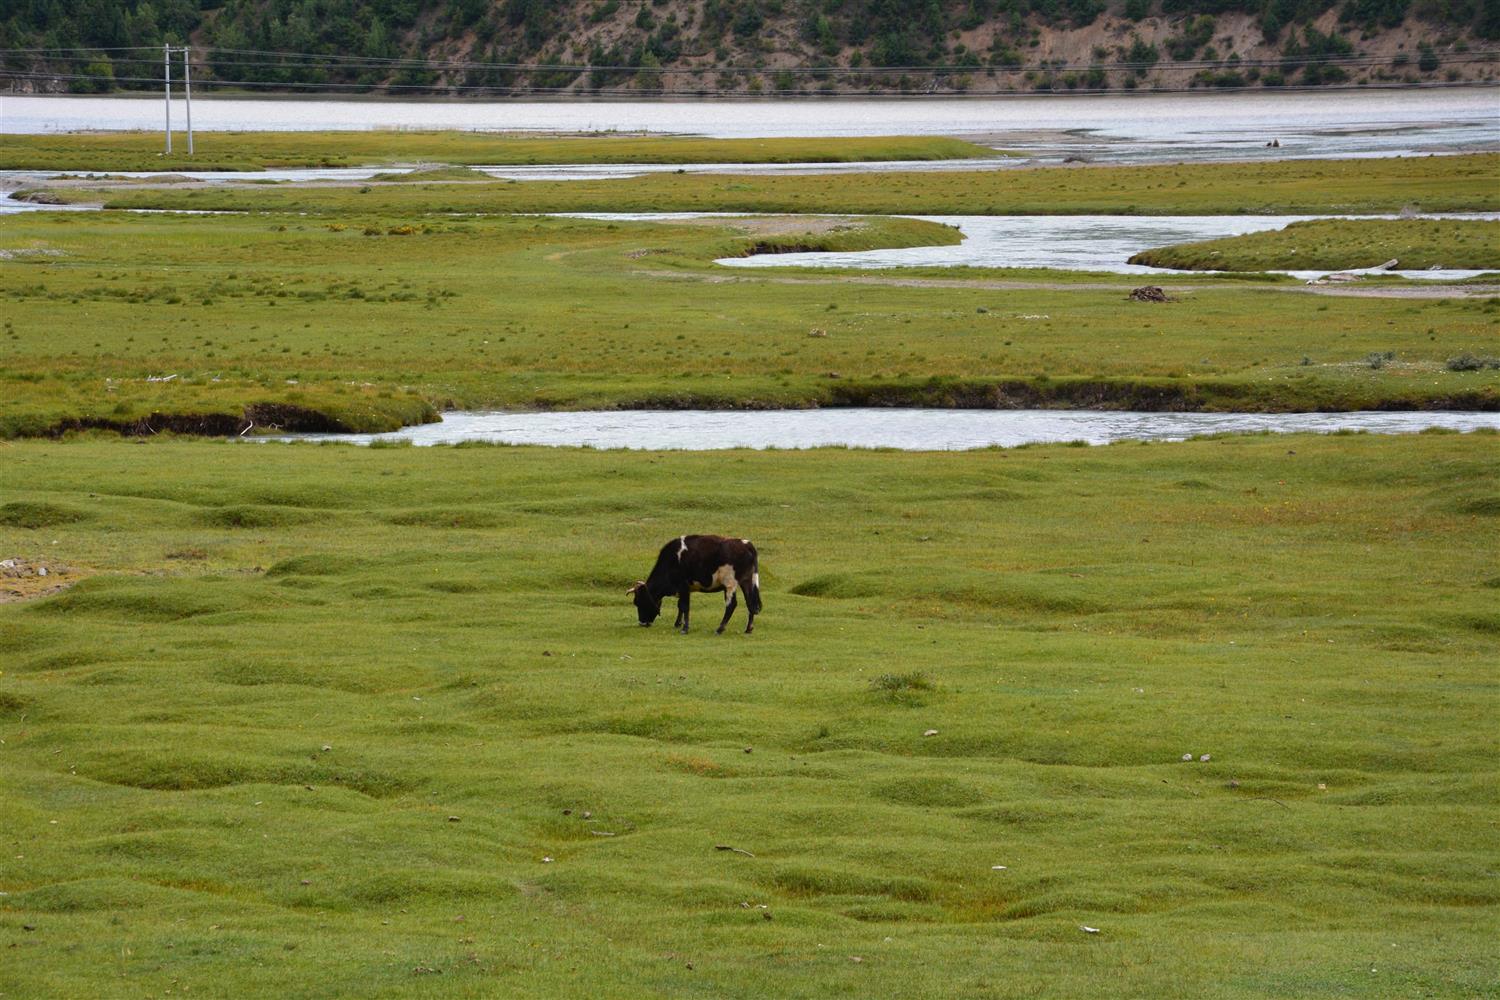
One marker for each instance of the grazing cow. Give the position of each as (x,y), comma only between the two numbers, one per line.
(700,562)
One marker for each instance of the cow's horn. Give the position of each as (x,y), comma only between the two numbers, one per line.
(638,585)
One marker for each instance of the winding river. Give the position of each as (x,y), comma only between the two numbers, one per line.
(904,429)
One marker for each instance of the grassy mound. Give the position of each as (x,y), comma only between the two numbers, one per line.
(37,514)
(1334,244)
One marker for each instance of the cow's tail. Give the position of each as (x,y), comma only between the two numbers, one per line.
(752,595)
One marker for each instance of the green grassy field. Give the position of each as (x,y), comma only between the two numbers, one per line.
(1433,184)
(372,331)
(103,151)
(1339,243)
(313,720)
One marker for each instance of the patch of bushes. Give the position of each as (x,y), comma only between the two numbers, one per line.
(1467,362)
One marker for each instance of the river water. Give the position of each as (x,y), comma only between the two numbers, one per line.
(1098,243)
(1118,128)
(904,429)
(1101,243)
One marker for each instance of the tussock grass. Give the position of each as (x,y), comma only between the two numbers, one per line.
(345,734)
(912,681)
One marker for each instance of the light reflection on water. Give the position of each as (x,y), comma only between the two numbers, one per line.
(905,429)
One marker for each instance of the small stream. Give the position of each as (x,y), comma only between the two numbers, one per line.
(903,429)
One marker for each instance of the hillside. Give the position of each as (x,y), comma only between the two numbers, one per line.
(583,47)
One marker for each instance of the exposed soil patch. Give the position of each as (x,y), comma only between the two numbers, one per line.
(785,225)
(28,579)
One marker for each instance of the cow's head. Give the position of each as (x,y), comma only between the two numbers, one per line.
(646,606)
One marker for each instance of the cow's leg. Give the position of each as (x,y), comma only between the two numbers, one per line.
(682,610)
(731,598)
(746,584)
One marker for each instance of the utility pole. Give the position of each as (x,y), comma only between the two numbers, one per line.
(166,62)
(187,89)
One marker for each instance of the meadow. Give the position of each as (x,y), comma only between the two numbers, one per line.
(379,722)
(148,322)
(105,151)
(1212,719)
(1290,187)
(1331,244)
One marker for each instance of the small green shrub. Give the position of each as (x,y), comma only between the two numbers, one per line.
(912,681)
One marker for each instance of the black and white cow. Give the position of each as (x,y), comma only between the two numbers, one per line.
(704,563)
